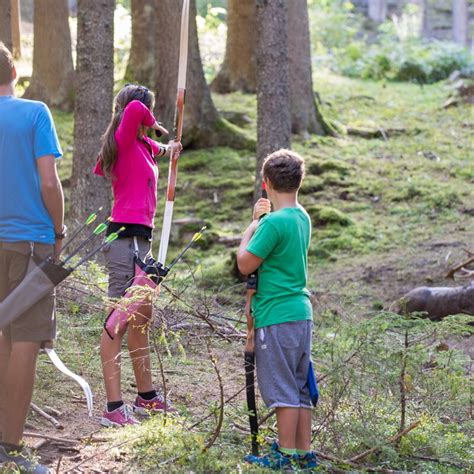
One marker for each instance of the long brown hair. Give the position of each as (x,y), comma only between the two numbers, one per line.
(108,152)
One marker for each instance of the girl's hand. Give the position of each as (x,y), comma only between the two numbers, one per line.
(262,206)
(160,128)
(174,147)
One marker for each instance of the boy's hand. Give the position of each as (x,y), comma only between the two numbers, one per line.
(250,344)
(262,206)
(174,147)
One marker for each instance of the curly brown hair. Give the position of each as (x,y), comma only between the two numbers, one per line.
(6,65)
(285,170)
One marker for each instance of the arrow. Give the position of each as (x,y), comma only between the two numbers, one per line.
(88,222)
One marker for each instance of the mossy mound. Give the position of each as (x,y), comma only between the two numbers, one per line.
(324,215)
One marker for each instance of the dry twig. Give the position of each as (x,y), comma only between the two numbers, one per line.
(393,439)
(50,418)
(461,266)
(29,434)
(222,401)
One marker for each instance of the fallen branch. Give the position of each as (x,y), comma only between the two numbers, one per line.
(461,266)
(391,440)
(385,133)
(29,434)
(39,444)
(50,418)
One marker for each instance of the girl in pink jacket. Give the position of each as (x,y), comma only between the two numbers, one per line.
(128,158)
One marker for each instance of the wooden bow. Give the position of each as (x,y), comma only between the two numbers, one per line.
(179,118)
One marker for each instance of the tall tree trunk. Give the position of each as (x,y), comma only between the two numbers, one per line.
(460,22)
(305,116)
(53,70)
(202,124)
(94,93)
(273,81)
(378,10)
(238,69)
(16,28)
(141,66)
(5,24)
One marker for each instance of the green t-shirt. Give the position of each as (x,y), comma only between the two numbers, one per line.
(282,240)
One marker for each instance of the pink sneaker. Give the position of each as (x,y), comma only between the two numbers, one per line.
(121,416)
(155,405)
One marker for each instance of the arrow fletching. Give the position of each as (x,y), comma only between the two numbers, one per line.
(198,235)
(114,235)
(93,216)
(100,228)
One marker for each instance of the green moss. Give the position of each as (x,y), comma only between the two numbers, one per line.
(322,166)
(324,215)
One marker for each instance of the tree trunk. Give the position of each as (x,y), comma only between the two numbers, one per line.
(378,10)
(460,22)
(273,81)
(202,124)
(16,28)
(141,66)
(5,24)
(94,93)
(439,302)
(305,116)
(238,70)
(53,70)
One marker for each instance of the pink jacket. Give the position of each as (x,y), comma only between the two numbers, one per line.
(135,173)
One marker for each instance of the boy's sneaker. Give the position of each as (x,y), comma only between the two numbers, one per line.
(121,416)
(308,460)
(145,407)
(275,460)
(20,462)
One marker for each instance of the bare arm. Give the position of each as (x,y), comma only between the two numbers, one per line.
(52,193)
(246,261)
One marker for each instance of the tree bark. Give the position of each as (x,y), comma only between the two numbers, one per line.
(460,22)
(378,10)
(202,124)
(273,81)
(5,23)
(53,70)
(94,93)
(305,116)
(141,66)
(238,71)
(439,302)
(16,28)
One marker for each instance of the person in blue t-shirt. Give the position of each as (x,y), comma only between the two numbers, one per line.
(31,222)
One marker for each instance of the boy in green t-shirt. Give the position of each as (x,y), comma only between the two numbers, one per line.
(277,245)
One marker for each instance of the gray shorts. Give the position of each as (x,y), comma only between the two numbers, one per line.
(38,324)
(119,258)
(283,353)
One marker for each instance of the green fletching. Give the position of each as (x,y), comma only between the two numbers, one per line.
(100,228)
(91,219)
(114,235)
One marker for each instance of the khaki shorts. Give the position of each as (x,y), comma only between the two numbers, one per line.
(38,324)
(120,262)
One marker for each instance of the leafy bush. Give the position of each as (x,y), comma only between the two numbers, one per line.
(341,43)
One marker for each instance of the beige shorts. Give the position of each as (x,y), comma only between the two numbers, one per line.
(38,324)
(120,262)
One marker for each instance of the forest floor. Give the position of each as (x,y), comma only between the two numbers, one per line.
(389,215)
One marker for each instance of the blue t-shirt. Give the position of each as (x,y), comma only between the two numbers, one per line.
(27,133)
